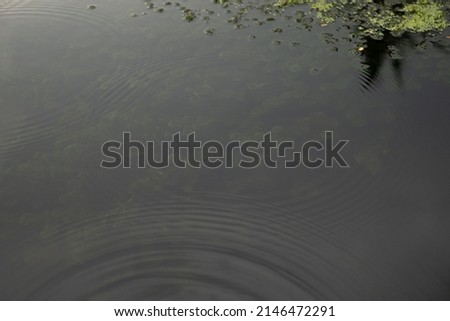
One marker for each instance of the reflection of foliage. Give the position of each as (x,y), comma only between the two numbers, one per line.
(375,53)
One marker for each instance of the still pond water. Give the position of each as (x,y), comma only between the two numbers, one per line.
(72,78)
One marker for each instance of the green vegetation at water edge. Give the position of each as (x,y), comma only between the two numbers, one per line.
(420,16)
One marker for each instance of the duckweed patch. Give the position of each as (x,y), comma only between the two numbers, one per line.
(322,5)
(421,16)
(364,18)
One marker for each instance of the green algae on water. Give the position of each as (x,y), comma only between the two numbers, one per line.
(423,16)
(420,16)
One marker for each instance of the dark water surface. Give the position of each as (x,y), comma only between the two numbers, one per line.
(72,78)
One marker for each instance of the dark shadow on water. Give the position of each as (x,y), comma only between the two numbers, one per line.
(391,49)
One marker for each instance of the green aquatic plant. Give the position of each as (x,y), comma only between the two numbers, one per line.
(189,15)
(420,16)
(322,5)
(423,16)
(291,2)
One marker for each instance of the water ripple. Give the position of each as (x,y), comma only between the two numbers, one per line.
(68,12)
(212,246)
